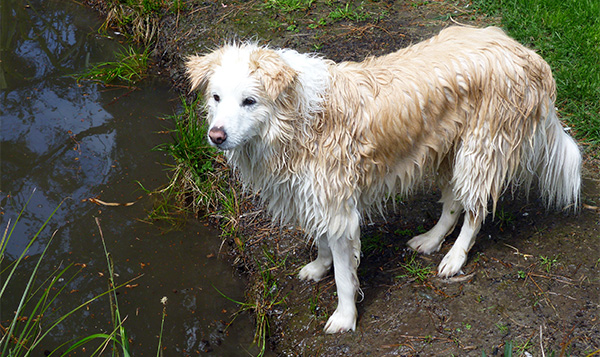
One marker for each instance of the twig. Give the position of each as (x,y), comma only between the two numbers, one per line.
(542,343)
(529,275)
(517,252)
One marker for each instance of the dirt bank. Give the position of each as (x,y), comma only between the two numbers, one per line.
(532,278)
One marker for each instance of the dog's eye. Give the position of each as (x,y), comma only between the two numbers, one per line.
(248,102)
(216,98)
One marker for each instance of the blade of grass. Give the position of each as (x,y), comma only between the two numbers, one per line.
(32,276)
(117,320)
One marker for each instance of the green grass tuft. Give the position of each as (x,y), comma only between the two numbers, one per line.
(131,66)
(289,5)
(350,13)
(200,179)
(415,270)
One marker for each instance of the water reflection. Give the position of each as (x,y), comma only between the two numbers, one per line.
(81,140)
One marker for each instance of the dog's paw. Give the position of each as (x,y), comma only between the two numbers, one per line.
(313,271)
(341,321)
(452,263)
(425,243)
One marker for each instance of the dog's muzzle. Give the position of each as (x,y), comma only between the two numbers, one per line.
(217,135)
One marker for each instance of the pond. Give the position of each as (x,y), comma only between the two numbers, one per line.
(68,141)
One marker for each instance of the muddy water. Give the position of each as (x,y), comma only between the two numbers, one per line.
(62,140)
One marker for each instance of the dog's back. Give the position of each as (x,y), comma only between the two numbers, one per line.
(464,92)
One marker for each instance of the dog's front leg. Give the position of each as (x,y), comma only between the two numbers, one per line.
(346,254)
(319,267)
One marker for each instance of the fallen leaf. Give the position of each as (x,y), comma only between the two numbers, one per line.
(111,204)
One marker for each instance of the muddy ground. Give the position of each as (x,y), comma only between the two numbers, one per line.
(532,277)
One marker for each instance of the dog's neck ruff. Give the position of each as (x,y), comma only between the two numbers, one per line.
(280,162)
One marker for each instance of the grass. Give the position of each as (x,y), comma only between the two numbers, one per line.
(548,263)
(200,179)
(567,35)
(290,17)
(505,218)
(34,316)
(289,5)
(197,164)
(350,13)
(415,270)
(139,19)
(265,297)
(130,66)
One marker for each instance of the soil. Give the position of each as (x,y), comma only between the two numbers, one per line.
(531,279)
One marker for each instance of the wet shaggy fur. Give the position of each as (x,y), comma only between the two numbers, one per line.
(326,143)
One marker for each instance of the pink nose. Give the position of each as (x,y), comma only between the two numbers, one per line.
(217,135)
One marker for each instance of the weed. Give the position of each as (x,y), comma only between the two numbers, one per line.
(505,217)
(166,209)
(30,325)
(199,178)
(521,274)
(317,23)
(372,243)
(417,4)
(289,5)
(139,18)
(508,350)
(163,301)
(522,348)
(266,296)
(415,270)
(547,263)
(350,13)
(131,66)
(502,327)
(292,28)
(118,320)
(404,232)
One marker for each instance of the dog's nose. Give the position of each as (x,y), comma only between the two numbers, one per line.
(217,135)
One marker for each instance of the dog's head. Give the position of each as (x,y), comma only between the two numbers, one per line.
(240,83)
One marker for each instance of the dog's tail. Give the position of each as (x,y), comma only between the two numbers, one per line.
(554,157)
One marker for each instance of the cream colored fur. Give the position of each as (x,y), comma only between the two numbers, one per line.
(327,143)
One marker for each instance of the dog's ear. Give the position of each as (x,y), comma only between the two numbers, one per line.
(200,68)
(273,72)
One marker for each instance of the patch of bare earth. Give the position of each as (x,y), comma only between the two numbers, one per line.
(532,277)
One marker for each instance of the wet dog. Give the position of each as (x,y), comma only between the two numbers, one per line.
(326,143)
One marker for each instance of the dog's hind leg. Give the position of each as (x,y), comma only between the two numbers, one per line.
(431,240)
(457,256)
(319,267)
